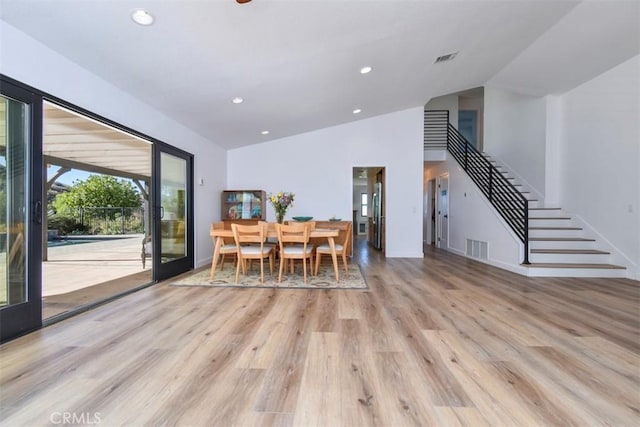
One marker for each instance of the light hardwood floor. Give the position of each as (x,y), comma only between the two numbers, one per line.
(436,341)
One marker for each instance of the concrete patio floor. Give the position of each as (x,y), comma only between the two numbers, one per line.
(77,266)
(79,274)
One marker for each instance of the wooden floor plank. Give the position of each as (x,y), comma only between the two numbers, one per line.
(360,393)
(319,400)
(282,381)
(442,341)
(488,394)
(402,390)
(348,305)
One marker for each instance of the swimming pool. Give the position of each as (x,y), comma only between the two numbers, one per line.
(73,240)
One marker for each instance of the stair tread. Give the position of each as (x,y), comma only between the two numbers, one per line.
(549,217)
(514,214)
(554,228)
(570,265)
(560,239)
(531,208)
(569,251)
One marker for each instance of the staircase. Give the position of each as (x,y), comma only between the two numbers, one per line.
(554,245)
(558,247)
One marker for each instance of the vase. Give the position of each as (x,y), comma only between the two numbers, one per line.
(280,217)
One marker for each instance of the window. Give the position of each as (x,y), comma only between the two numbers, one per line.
(364,204)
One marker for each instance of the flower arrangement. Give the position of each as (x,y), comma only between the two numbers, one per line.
(281,202)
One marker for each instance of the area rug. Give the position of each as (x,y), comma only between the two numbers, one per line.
(324,280)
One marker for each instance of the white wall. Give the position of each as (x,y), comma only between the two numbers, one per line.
(553,146)
(317,167)
(600,155)
(515,133)
(30,62)
(471,216)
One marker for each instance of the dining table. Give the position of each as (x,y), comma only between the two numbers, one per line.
(219,235)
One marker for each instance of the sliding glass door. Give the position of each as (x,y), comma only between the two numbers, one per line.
(173,213)
(20,211)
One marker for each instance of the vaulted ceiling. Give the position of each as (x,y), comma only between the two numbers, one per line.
(296,63)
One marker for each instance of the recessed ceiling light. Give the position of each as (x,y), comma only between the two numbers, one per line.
(357,111)
(365,70)
(237,100)
(142,17)
(265,132)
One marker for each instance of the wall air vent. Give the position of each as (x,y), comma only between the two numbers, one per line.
(447,57)
(477,249)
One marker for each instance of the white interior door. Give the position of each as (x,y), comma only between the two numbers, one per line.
(442,207)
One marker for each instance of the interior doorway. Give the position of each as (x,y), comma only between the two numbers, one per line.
(468,125)
(471,116)
(369,204)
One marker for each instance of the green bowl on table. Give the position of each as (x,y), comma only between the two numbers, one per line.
(302,218)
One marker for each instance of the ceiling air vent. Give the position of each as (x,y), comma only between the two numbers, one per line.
(447,57)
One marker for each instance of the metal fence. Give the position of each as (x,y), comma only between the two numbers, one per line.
(104,220)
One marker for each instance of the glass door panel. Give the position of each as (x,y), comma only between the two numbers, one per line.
(20,212)
(173,210)
(13,146)
(173,219)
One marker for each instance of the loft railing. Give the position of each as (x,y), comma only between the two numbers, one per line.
(435,129)
(502,194)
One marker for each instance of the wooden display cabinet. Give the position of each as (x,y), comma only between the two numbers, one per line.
(243,205)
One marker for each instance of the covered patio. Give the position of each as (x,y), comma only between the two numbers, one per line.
(78,274)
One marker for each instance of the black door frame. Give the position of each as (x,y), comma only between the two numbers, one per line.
(172,268)
(24,317)
(34,256)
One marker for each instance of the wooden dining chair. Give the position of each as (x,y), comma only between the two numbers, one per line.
(341,250)
(293,239)
(250,244)
(228,248)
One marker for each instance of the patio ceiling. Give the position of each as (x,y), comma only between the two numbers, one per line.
(77,142)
